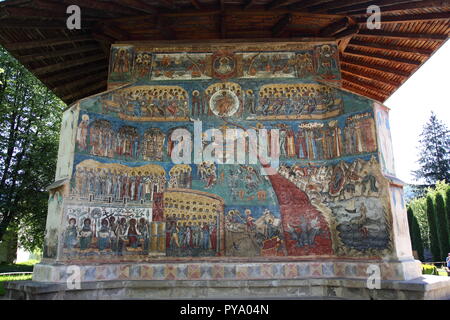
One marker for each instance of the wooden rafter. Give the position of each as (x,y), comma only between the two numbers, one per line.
(335,27)
(39,24)
(67,64)
(98,76)
(363,5)
(303,4)
(388,6)
(112,31)
(58,53)
(369,76)
(349,60)
(435,16)
(347,33)
(222,25)
(282,24)
(47,42)
(196,4)
(60,9)
(138,5)
(382,57)
(388,47)
(102,5)
(334,5)
(89,89)
(67,75)
(280,3)
(365,83)
(164,26)
(362,90)
(403,35)
(170,4)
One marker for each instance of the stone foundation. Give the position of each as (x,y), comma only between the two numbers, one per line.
(229,271)
(422,288)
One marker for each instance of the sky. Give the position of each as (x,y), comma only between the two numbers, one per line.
(428,89)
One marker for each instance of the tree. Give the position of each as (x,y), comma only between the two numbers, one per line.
(416,239)
(434,150)
(447,208)
(30,118)
(433,232)
(442,225)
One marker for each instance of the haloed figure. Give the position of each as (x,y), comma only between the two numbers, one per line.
(103,241)
(86,235)
(71,237)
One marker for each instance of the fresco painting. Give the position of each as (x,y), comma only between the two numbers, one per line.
(385,140)
(179,66)
(128,200)
(121,64)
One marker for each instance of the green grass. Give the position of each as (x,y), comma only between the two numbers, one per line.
(12,278)
(19,267)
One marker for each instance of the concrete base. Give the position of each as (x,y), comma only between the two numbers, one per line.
(423,288)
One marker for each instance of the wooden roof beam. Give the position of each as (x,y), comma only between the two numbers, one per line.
(362,5)
(61,9)
(347,33)
(334,5)
(196,4)
(369,76)
(164,26)
(382,57)
(67,64)
(111,30)
(58,53)
(86,91)
(362,90)
(388,47)
(396,72)
(66,75)
(77,83)
(39,24)
(335,27)
(222,26)
(403,35)
(399,5)
(138,5)
(409,18)
(303,4)
(366,84)
(102,5)
(280,3)
(170,4)
(27,12)
(282,24)
(46,42)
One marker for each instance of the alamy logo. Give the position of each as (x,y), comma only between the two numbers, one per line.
(236,146)
(73,278)
(74,20)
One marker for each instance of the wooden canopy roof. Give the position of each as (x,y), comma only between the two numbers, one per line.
(74,63)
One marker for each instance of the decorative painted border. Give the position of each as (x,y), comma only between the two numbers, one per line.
(228,271)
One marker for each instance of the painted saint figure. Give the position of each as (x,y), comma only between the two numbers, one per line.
(86,235)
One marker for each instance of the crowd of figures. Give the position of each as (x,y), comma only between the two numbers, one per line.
(342,181)
(114,236)
(180,177)
(100,139)
(149,102)
(116,183)
(326,140)
(359,134)
(294,100)
(190,237)
(313,141)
